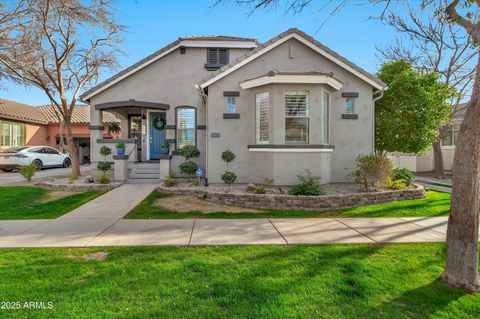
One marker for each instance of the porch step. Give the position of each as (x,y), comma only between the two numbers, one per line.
(144,176)
(145,171)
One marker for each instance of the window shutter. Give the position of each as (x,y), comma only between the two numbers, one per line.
(296,117)
(262,101)
(222,56)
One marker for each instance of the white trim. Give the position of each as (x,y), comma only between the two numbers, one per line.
(138,68)
(292,150)
(447,147)
(292,78)
(302,40)
(148,134)
(218,44)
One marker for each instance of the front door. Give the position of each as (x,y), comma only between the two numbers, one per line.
(157,133)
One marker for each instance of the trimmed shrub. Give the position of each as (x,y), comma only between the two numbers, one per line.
(189,152)
(228,156)
(309,186)
(27,171)
(403,174)
(104,166)
(373,171)
(229,178)
(188,168)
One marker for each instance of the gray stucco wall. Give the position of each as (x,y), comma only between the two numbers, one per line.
(169,80)
(350,137)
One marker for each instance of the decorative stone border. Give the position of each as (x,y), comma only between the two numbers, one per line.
(306,203)
(80,187)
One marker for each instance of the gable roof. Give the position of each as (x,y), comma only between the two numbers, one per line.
(46,114)
(187,41)
(303,38)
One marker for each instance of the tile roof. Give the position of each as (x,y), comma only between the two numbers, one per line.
(22,112)
(304,35)
(80,115)
(46,114)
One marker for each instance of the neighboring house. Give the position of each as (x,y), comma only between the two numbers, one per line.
(282,107)
(425,162)
(22,124)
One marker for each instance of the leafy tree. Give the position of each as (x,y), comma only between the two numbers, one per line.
(410,110)
(228,177)
(104,166)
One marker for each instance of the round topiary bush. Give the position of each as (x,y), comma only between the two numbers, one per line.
(188,168)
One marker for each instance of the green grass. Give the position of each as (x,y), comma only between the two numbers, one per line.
(25,202)
(328,281)
(435,204)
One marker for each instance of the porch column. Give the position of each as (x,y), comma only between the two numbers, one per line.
(96,132)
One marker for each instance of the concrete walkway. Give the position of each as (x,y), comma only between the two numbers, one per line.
(442,185)
(76,231)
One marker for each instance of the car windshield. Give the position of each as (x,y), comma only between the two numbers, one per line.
(13,149)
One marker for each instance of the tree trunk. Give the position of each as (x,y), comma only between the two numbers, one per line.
(461,268)
(438,167)
(72,149)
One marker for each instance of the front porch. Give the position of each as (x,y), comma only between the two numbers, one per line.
(143,129)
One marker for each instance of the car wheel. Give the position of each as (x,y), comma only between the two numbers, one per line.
(7,169)
(67,162)
(38,164)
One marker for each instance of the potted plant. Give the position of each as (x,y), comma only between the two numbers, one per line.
(164,148)
(120,148)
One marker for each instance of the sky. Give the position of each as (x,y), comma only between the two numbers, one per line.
(153,24)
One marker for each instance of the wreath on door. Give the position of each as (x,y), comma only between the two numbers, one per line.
(163,122)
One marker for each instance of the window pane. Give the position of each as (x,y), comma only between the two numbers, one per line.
(231,105)
(296,130)
(455,137)
(186,127)
(296,103)
(326,118)
(447,140)
(349,105)
(296,117)
(262,112)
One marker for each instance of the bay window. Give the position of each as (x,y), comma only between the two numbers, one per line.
(296,117)
(262,102)
(186,126)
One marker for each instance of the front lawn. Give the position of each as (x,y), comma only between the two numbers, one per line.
(435,204)
(28,202)
(325,281)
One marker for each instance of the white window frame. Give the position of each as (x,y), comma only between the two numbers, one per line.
(299,117)
(14,139)
(177,126)
(329,116)
(257,119)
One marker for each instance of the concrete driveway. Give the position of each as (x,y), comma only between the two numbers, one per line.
(15,177)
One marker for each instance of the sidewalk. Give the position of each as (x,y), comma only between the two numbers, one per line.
(86,232)
(442,185)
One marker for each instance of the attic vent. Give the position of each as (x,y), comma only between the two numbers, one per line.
(216,58)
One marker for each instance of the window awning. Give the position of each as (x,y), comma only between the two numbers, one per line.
(293,78)
(131,104)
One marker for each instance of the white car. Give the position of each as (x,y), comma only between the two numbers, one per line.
(40,156)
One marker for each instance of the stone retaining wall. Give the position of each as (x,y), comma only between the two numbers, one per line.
(79,187)
(290,202)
